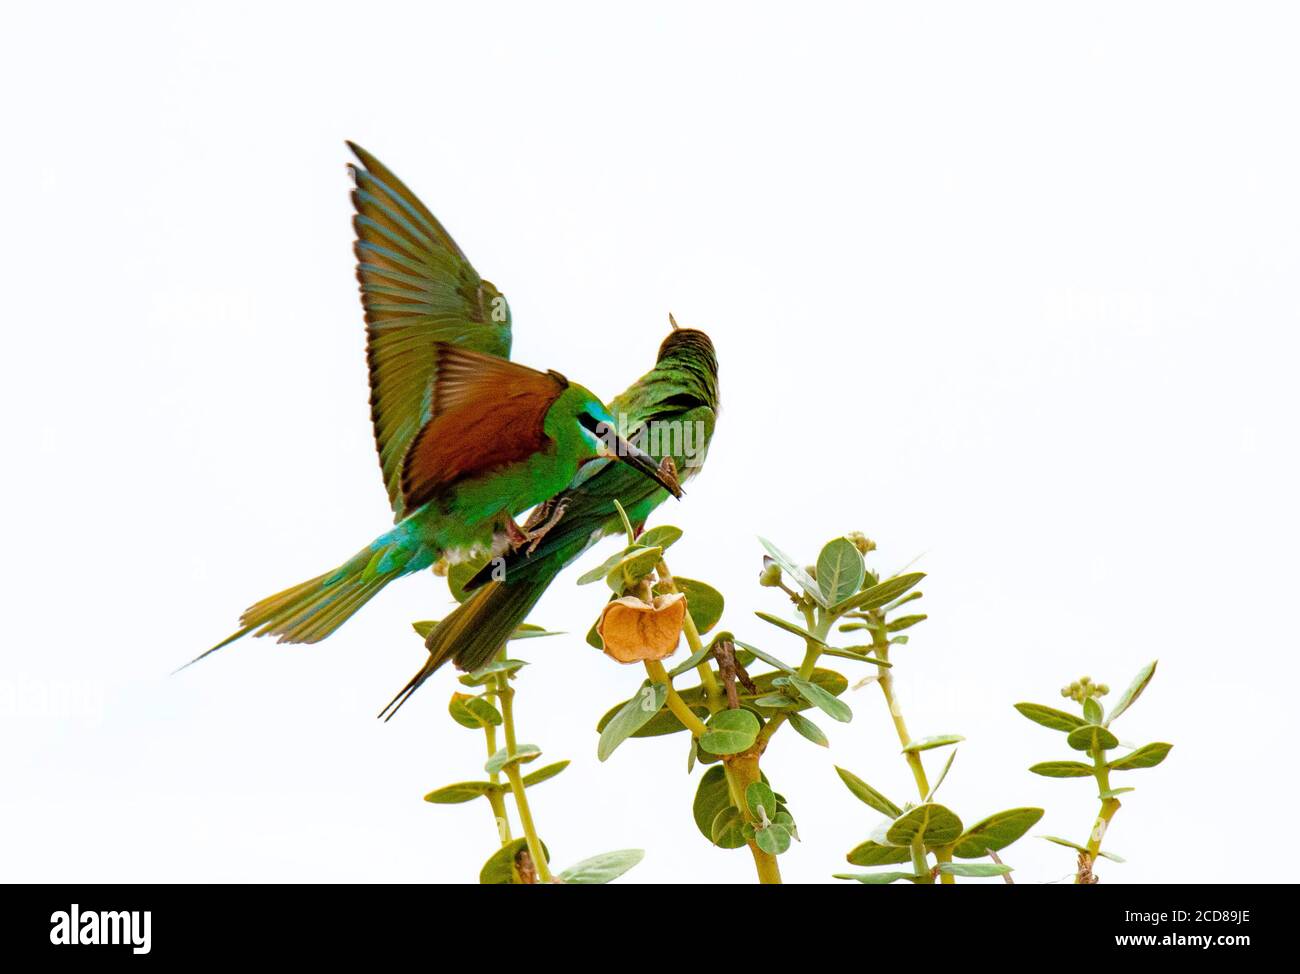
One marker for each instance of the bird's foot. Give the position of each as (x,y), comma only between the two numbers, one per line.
(549,517)
(535,528)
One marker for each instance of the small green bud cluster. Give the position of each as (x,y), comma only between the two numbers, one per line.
(1083,688)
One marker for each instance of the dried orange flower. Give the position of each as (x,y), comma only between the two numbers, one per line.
(633,630)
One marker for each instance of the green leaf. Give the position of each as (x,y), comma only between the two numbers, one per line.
(789,627)
(935,824)
(631,717)
(593,637)
(461,713)
(711,796)
(784,819)
(664,536)
(874,854)
(1134,691)
(903,601)
(765,657)
(639,564)
(499,869)
(473,712)
(483,711)
(942,775)
(1057,720)
(865,793)
(776,701)
(995,832)
(759,795)
(1113,857)
(703,602)
(727,829)
(603,868)
(840,571)
(1089,735)
(1092,711)
(424,627)
(606,566)
(544,774)
(877,595)
(1114,793)
(1063,769)
(807,729)
(775,839)
(876,879)
(792,568)
(665,722)
(1065,842)
(904,622)
(526,630)
(827,703)
(973,868)
(929,743)
(730,732)
(485,672)
(1147,756)
(858,654)
(692,661)
(524,753)
(462,791)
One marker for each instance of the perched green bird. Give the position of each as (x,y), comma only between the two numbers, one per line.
(466,438)
(670,411)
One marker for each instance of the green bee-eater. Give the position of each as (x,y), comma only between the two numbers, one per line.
(669,411)
(466,438)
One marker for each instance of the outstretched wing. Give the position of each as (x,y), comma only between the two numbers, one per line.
(486,413)
(417,289)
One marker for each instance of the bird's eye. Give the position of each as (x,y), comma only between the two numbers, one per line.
(591,423)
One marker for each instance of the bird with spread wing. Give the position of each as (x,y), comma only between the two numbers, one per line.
(679,396)
(466,438)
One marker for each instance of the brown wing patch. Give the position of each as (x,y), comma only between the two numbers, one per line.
(487,412)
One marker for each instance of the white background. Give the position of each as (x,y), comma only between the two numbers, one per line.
(1012,286)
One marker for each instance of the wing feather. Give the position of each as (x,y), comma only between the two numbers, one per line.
(486,413)
(417,289)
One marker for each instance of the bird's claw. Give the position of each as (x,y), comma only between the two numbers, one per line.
(545,517)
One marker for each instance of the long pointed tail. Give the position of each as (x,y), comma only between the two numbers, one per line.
(478,628)
(309,612)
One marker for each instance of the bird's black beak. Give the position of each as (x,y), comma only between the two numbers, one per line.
(665,475)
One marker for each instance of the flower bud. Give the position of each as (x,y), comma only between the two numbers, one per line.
(861,542)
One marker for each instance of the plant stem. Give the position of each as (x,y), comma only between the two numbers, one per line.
(880,644)
(495,798)
(819,624)
(921,865)
(655,669)
(742,771)
(505,694)
(712,692)
(1109,806)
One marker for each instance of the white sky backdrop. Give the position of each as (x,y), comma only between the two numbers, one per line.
(1012,285)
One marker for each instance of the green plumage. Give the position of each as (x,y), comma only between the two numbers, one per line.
(680,391)
(466,439)
(417,288)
